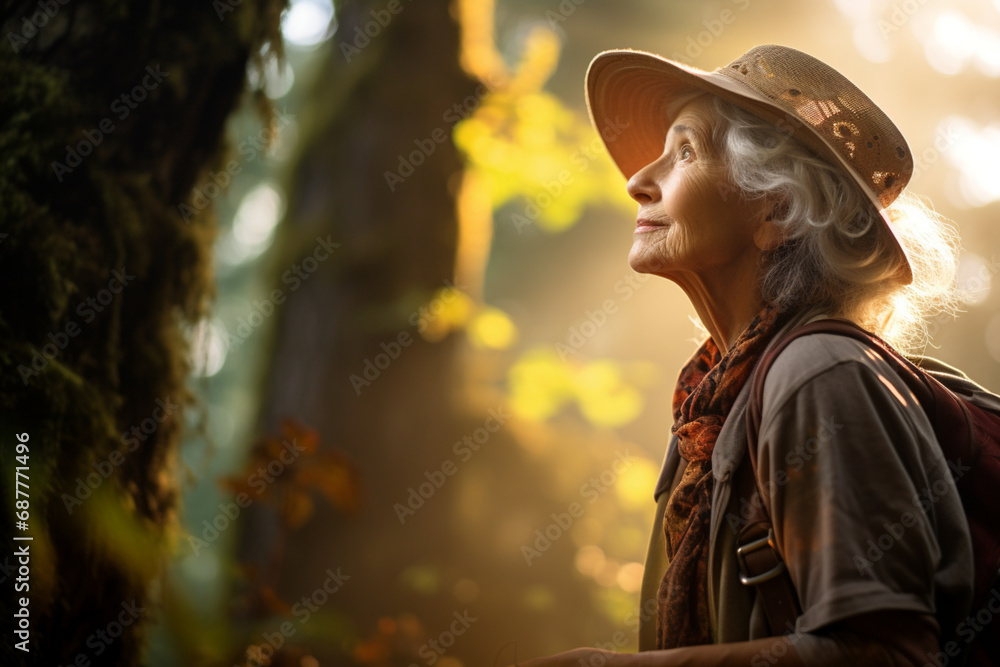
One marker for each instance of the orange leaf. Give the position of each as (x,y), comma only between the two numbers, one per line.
(335,478)
(306,438)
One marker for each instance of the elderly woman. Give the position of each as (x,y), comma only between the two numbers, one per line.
(770,191)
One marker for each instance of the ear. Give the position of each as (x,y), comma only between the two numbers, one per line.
(768,235)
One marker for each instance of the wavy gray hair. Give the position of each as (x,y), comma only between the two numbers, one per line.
(836,254)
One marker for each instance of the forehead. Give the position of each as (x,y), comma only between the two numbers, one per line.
(697,114)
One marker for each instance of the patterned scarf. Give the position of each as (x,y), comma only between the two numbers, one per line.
(705,393)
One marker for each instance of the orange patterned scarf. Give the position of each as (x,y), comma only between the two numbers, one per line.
(706,390)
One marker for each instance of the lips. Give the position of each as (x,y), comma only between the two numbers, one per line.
(648,224)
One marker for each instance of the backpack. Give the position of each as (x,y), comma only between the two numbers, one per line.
(968,431)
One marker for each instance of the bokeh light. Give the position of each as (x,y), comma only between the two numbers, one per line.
(952,43)
(253,226)
(974,279)
(277,78)
(307,23)
(209,347)
(992,335)
(629,577)
(974,154)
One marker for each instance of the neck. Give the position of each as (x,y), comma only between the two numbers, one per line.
(725,299)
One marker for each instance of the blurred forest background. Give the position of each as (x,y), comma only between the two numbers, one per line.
(432,397)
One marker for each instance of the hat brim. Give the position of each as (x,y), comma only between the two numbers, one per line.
(628,96)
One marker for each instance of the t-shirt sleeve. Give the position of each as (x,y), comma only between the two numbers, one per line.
(853,479)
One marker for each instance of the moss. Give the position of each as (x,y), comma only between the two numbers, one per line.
(100,366)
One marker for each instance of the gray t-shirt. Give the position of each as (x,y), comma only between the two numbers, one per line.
(865,511)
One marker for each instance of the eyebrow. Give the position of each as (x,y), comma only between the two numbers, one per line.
(689,132)
(700,137)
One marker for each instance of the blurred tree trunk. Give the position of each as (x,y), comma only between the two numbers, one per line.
(387,90)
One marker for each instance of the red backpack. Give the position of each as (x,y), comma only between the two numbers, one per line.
(968,431)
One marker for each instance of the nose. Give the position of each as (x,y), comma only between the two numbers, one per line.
(644,186)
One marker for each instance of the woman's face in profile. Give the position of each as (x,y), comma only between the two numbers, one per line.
(691,219)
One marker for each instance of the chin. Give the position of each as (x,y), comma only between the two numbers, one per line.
(641,262)
(638,266)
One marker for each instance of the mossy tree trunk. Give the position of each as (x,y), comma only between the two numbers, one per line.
(110,112)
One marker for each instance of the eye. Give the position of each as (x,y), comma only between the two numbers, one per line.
(686,152)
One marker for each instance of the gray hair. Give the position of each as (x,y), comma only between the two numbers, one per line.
(836,254)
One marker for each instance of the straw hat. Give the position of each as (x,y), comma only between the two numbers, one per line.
(628,91)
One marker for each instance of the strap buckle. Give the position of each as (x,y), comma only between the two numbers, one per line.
(759,543)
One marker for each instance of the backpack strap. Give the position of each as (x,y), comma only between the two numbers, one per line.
(761,565)
(757,555)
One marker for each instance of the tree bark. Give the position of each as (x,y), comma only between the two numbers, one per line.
(381,100)
(111,112)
